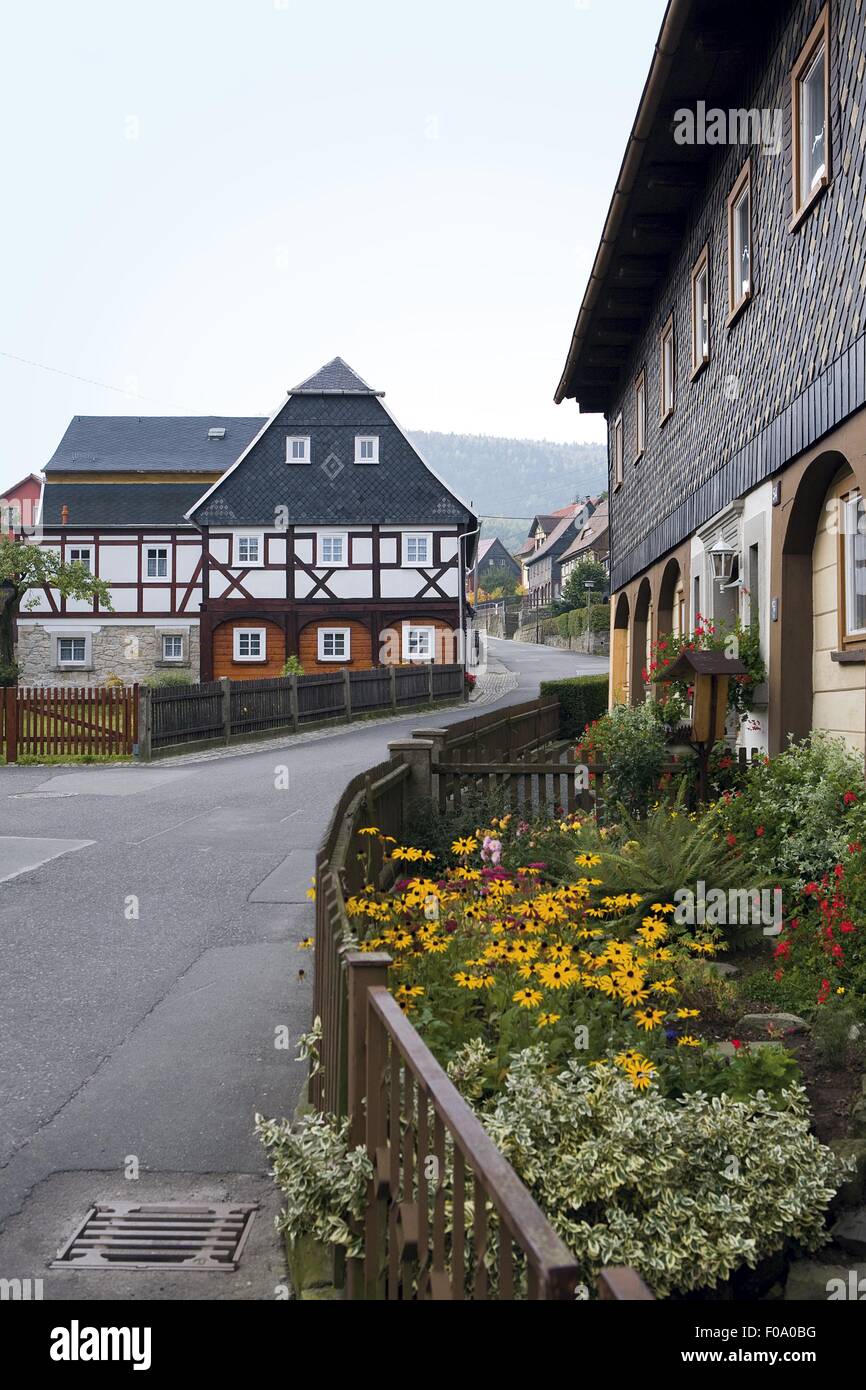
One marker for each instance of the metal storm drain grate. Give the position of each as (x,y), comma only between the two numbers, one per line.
(159,1235)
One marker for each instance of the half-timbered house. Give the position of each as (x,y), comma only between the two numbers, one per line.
(231,545)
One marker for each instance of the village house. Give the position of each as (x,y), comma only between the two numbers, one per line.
(230,544)
(591,543)
(19,506)
(492,556)
(723,336)
(552,536)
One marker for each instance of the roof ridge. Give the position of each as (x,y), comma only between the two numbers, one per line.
(335,378)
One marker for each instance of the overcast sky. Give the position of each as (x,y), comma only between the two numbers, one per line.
(207,199)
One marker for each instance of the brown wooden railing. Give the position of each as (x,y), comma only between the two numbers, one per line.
(73,721)
(431,1154)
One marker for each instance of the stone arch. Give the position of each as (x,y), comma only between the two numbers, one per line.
(793,680)
(619,651)
(670,599)
(640,633)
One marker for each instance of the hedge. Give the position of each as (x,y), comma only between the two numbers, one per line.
(581,700)
(573,623)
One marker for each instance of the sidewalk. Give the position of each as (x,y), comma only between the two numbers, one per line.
(496,681)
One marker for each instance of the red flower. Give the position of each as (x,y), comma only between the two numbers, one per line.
(849,798)
(759,831)
(735,1042)
(732,839)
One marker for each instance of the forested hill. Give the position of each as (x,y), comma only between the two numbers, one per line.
(517,478)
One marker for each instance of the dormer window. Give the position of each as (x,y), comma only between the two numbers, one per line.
(297,449)
(366,448)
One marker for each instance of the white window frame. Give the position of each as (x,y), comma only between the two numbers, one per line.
(71,663)
(408,629)
(321,562)
(82,550)
(345,633)
(239,632)
(417,536)
(291,441)
(701,311)
(740,289)
(256,536)
(155,551)
(854,526)
(172,637)
(362,439)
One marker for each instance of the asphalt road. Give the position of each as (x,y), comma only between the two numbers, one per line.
(149,919)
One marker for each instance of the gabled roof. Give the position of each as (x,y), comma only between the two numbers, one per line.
(555,541)
(596,526)
(35,478)
(336,378)
(152,443)
(331,408)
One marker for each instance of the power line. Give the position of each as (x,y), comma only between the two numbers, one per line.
(90,381)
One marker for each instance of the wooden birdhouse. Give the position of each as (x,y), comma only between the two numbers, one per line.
(708,673)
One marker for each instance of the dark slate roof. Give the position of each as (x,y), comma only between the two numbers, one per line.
(151,444)
(112,505)
(556,541)
(332,489)
(594,528)
(336,378)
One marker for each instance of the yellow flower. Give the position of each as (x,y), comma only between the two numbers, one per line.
(641,1077)
(547,1020)
(465,845)
(688,1013)
(648,1019)
(527,998)
(587,861)
(435,945)
(370,830)
(557,975)
(688,1041)
(307,944)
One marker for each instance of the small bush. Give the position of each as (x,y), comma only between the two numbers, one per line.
(631,742)
(169,678)
(293,666)
(582,700)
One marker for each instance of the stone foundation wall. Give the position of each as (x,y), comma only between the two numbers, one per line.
(130,652)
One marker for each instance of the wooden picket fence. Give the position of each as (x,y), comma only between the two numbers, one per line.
(178,717)
(46,722)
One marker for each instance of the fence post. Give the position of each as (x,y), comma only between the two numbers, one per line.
(418,755)
(347,691)
(145,723)
(364,969)
(226,690)
(392,676)
(11,700)
(430,681)
(293,702)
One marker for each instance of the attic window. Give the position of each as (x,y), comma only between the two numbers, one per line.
(366,448)
(297,449)
(218,432)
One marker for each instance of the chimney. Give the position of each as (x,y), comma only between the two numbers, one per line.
(64,515)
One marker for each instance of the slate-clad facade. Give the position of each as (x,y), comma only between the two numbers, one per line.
(766,434)
(232,544)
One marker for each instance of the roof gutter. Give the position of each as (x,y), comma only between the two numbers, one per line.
(673,24)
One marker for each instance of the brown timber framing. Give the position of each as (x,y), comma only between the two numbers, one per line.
(376,1068)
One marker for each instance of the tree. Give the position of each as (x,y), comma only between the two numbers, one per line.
(24,567)
(574,590)
(499,580)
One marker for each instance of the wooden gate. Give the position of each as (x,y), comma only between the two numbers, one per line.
(73,722)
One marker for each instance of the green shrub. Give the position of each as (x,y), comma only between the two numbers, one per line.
(323,1181)
(797,812)
(631,741)
(293,666)
(582,700)
(685,1191)
(168,678)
